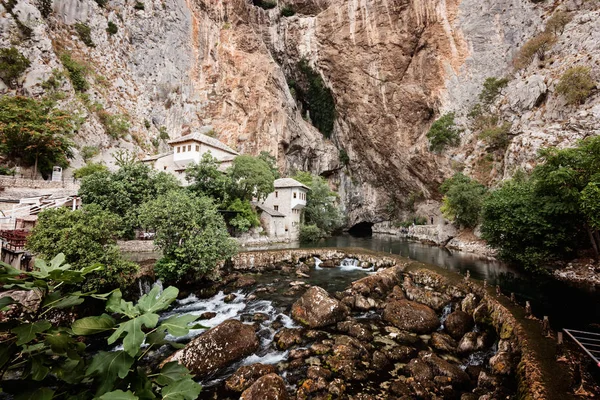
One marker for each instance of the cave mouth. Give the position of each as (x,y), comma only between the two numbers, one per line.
(362,229)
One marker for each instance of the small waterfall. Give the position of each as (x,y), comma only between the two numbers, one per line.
(352,264)
(144,285)
(480,357)
(317,263)
(445,312)
(159,284)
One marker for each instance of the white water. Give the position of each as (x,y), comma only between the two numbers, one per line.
(317,263)
(351,264)
(445,312)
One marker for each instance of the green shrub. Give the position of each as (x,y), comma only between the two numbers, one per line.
(538,45)
(310,233)
(139,5)
(343,157)
(491,89)
(265,4)
(246,217)
(287,11)
(112,28)
(496,136)
(77,72)
(12,65)
(576,85)
(89,169)
(443,132)
(162,133)
(88,152)
(321,207)
(115,125)
(7,171)
(557,22)
(462,200)
(101,3)
(85,34)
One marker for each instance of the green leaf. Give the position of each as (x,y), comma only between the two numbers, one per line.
(38,370)
(153,301)
(108,366)
(26,332)
(118,395)
(5,301)
(116,304)
(71,371)
(134,335)
(156,338)
(142,386)
(6,352)
(172,372)
(93,325)
(59,342)
(37,394)
(68,302)
(178,325)
(185,389)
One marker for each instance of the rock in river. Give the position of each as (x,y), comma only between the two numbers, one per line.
(316,308)
(268,387)
(245,376)
(217,347)
(411,316)
(458,323)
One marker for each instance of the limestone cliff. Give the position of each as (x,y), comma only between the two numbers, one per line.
(392,68)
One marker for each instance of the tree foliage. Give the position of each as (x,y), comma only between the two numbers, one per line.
(576,85)
(12,65)
(246,217)
(191,234)
(537,46)
(250,177)
(462,201)
(491,89)
(557,22)
(35,132)
(321,208)
(206,179)
(86,237)
(51,356)
(123,191)
(310,233)
(89,169)
(443,132)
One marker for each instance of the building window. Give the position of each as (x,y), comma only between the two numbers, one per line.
(294,194)
(165,168)
(178,149)
(197,147)
(276,194)
(276,208)
(189,147)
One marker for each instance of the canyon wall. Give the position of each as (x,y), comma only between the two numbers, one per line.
(392,68)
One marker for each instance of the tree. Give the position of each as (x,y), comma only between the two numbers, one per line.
(576,85)
(538,45)
(12,65)
(246,217)
(49,354)
(123,191)
(35,132)
(443,132)
(310,233)
(557,22)
(89,169)
(462,200)
(250,177)
(86,237)
(321,209)
(206,179)
(271,161)
(191,234)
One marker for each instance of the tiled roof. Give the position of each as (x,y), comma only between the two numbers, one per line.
(157,156)
(202,138)
(268,210)
(288,183)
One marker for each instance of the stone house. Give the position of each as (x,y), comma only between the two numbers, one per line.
(189,149)
(281,212)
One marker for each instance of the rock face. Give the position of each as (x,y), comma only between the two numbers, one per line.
(268,387)
(411,316)
(316,308)
(217,347)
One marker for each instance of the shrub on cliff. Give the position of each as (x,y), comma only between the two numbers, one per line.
(77,72)
(443,133)
(12,65)
(112,29)
(497,136)
(89,169)
(538,45)
(191,234)
(557,22)
(462,200)
(576,85)
(491,89)
(85,34)
(86,237)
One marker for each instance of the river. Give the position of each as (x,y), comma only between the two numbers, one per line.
(567,306)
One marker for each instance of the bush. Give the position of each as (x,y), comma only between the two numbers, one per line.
(246,217)
(496,136)
(77,72)
(88,152)
(89,169)
(12,65)
(287,11)
(443,133)
(7,171)
(101,3)
(139,5)
(85,34)
(491,89)
(250,177)
(191,234)
(163,134)
(310,233)
(115,125)
(265,4)
(557,22)
(462,200)
(112,28)
(343,157)
(86,237)
(576,85)
(321,209)
(538,45)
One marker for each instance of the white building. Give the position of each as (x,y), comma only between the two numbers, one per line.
(189,149)
(281,212)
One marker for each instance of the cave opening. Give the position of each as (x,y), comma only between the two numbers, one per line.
(362,229)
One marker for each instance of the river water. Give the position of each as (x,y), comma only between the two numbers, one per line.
(567,306)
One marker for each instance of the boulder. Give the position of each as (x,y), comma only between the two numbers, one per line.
(443,342)
(268,387)
(501,363)
(458,324)
(411,316)
(316,308)
(440,367)
(288,337)
(419,370)
(469,303)
(245,281)
(433,299)
(217,348)
(379,284)
(467,343)
(245,376)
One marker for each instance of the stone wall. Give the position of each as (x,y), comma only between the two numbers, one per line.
(12,182)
